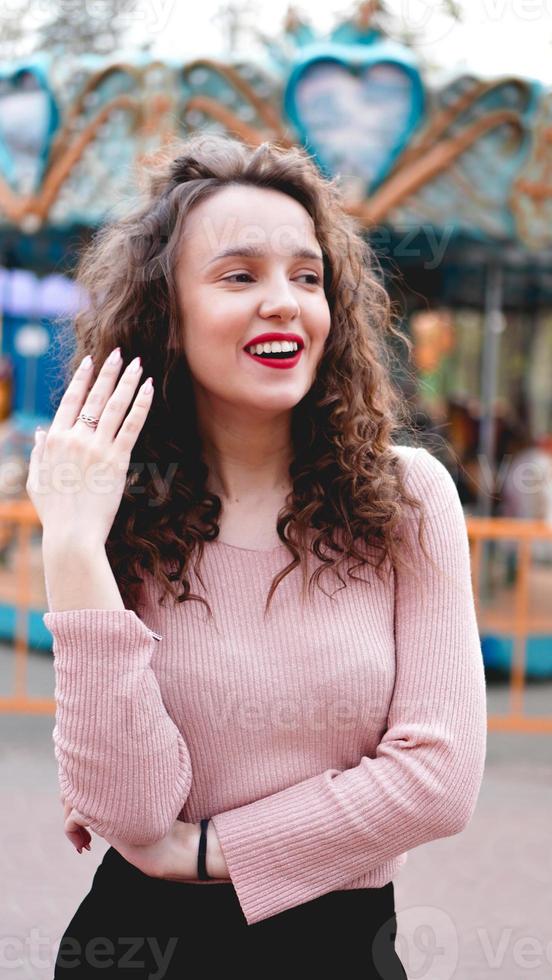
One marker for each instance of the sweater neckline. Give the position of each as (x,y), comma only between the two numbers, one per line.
(252,551)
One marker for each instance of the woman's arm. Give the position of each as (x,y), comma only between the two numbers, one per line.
(122,762)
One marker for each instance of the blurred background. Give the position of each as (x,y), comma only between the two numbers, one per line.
(437,117)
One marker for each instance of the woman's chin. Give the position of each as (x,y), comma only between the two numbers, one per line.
(274,402)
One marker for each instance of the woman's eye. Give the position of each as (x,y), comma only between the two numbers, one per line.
(306,275)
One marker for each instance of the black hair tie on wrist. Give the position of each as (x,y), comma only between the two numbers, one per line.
(202,851)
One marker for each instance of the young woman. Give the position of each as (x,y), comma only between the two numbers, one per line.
(261,605)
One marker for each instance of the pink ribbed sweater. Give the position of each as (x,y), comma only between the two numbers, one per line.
(324,742)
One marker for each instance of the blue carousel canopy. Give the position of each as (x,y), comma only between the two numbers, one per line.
(470,159)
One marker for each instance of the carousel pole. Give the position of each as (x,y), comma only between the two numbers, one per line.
(493,327)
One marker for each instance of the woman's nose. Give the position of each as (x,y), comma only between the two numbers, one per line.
(282,302)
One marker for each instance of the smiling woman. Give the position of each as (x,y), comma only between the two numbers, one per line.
(227,299)
(320,735)
(229,246)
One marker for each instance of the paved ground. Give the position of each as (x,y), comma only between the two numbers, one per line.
(471,907)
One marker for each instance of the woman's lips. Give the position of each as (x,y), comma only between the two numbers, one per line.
(279,363)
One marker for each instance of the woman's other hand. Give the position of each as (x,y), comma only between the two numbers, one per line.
(75,827)
(173,857)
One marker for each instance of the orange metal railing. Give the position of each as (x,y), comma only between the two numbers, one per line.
(512,615)
(515,611)
(20,588)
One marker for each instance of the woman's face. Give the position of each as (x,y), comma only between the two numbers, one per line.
(226,301)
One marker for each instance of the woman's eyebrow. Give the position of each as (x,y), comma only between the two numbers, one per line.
(256,252)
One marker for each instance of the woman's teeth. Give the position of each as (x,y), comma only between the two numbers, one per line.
(274,347)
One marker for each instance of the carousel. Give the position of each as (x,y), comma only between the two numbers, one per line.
(450,182)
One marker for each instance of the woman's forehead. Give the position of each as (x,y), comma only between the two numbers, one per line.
(251,216)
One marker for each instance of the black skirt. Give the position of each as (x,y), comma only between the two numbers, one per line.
(132,925)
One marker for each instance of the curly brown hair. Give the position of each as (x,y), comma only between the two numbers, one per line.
(347,491)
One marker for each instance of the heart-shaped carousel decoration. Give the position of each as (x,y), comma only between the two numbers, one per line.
(29,119)
(355,107)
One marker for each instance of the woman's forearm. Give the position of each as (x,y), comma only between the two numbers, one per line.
(113,734)
(78,576)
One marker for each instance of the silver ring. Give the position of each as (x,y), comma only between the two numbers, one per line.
(89,419)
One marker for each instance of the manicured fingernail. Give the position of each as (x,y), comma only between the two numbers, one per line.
(115,356)
(87,847)
(135,365)
(86,362)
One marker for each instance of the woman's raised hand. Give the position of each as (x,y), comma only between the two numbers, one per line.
(95,461)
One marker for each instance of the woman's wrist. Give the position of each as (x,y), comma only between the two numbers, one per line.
(184,853)
(78,577)
(215,863)
(181,862)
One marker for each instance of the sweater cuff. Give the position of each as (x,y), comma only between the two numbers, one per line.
(275,869)
(96,634)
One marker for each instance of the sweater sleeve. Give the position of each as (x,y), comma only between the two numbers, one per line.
(122,762)
(317,835)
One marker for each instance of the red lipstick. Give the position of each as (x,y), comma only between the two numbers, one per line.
(279,363)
